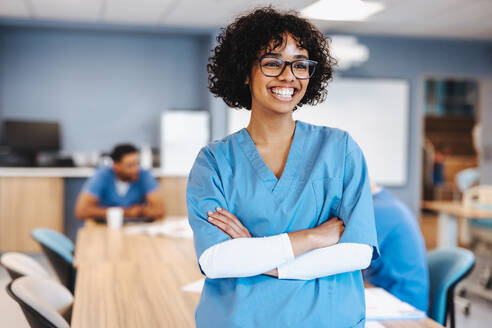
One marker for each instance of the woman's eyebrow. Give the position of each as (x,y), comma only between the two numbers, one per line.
(278,55)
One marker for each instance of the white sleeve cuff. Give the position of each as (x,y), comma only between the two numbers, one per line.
(245,257)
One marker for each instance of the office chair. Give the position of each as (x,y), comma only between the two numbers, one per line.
(45,303)
(18,265)
(447,267)
(59,251)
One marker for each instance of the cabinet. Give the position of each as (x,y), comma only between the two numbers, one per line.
(27,203)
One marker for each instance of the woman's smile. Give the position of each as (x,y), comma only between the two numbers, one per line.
(278,94)
(283,93)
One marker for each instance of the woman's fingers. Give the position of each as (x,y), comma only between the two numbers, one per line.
(223,225)
(230,225)
(227,225)
(236,221)
(225,219)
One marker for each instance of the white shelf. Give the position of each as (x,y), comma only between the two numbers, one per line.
(62,172)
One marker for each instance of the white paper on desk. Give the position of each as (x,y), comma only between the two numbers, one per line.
(194,287)
(171,227)
(176,228)
(381,305)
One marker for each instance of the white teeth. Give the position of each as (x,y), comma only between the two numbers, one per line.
(284,92)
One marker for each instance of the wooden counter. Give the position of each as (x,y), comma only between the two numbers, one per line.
(25,204)
(456,208)
(452,216)
(35,197)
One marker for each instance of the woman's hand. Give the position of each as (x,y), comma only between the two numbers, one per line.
(228,223)
(328,233)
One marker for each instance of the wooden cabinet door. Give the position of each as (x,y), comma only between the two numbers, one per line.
(26,204)
(174,193)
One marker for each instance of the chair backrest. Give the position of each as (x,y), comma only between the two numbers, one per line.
(45,302)
(18,265)
(447,267)
(56,241)
(59,251)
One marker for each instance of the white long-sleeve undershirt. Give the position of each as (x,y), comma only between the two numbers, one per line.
(246,257)
(327,261)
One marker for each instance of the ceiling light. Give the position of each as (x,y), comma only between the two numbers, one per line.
(342,10)
(348,51)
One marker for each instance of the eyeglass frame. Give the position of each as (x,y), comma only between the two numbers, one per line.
(287,63)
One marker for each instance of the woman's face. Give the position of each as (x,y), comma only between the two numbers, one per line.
(282,93)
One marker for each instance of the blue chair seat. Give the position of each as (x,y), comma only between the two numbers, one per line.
(481,223)
(447,267)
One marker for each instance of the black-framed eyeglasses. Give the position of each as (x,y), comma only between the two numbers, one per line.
(302,69)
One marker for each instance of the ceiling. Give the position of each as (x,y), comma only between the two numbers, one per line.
(462,19)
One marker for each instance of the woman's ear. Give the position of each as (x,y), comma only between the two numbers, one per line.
(247,80)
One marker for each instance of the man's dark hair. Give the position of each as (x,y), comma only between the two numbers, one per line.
(121,150)
(238,46)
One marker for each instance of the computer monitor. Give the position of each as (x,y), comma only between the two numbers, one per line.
(31,136)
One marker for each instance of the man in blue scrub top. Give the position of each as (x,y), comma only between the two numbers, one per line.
(124,184)
(402,268)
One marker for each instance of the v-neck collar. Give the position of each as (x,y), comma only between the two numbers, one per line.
(277,186)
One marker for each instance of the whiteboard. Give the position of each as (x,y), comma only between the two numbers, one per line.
(183,134)
(376,114)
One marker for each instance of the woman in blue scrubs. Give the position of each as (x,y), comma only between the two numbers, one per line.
(282,210)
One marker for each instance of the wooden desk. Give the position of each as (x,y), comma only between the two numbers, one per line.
(135,281)
(96,243)
(450,214)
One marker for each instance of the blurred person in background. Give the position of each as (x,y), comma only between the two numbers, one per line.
(402,267)
(123,184)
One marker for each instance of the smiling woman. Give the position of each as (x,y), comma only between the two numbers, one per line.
(262,31)
(281,211)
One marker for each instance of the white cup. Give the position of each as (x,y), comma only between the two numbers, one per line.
(114,217)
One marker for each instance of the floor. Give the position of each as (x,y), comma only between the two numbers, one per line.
(480,315)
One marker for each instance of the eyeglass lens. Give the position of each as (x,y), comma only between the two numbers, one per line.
(302,69)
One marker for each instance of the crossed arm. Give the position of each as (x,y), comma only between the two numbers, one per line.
(87,207)
(304,254)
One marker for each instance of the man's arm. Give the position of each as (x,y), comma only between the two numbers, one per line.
(154,206)
(86,207)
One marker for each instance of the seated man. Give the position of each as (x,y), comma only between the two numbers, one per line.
(402,267)
(125,185)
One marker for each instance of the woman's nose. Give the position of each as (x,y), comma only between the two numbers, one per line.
(287,74)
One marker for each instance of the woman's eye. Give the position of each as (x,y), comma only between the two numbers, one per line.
(272,64)
(301,66)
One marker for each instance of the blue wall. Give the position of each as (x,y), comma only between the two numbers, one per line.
(103,86)
(110,86)
(413,59)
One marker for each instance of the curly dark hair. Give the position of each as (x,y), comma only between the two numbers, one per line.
(240,42)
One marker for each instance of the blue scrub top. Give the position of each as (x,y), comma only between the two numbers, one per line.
(325,175)
(402,267)
(102,185)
